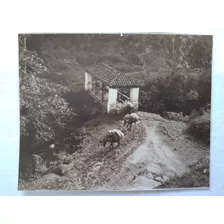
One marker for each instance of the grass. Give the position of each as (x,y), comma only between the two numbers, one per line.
(198,176)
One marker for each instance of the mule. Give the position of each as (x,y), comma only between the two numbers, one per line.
(130,119)
(112,138)
(129,122)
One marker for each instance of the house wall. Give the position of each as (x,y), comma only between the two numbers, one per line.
(134,96)
(88,81)
(112,100)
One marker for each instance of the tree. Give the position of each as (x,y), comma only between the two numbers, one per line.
(42,106)
(200,52)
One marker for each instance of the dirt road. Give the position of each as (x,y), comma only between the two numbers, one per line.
(151,163)
(152,152)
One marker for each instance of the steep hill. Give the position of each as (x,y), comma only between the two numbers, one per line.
(154,151)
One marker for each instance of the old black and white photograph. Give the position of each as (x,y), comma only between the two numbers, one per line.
(114,112)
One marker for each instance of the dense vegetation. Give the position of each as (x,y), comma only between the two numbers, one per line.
(176,70)
(43,109)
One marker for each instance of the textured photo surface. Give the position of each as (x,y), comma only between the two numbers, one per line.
(112,112)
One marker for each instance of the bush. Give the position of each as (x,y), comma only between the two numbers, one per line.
(87,58)
(112,59)
(199,126)
(122,67)
(134,59)
(43,108)
(177,116)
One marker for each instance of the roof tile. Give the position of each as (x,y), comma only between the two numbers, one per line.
(112,77)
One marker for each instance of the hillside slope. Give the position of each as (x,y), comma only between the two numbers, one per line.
(153,152)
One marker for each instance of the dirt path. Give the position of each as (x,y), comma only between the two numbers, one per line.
(151,153)
(151,163)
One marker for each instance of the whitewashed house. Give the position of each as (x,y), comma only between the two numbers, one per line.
(112,89)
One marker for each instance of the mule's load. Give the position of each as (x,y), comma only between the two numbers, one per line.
(113,136)
(130,119)
(116,131)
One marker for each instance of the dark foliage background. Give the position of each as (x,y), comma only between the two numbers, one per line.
(175,68)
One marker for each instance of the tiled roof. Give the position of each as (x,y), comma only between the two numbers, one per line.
(123,80)
(112,77)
